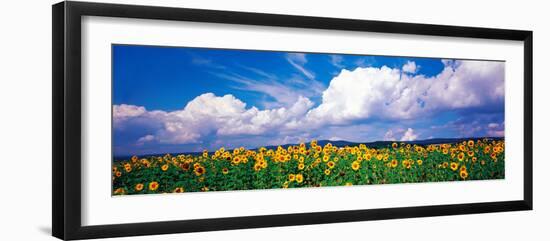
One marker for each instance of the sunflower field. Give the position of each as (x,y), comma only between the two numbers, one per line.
(309,165)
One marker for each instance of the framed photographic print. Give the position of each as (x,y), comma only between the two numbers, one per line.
(170,120)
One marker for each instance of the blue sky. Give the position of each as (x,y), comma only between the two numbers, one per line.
(176,99)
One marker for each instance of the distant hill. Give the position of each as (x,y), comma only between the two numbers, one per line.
(379,144)
(374,144)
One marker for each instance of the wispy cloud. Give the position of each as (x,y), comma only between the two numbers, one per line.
(337,61)
(474,125)
(298,60)
(495,129)
(284,95)
(285,91)
(201,61)
(259,72)
(365,61)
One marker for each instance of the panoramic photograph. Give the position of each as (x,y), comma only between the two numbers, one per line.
(187,119)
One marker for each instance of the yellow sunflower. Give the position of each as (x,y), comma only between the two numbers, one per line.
(145,163)
(164,167)
(394,163)
(460,156)
(179,190)
(355,165)
(153,186)
(127,167)
(257,167)
(139,187)
(299,178)
(119,191)
(454,166)
(327,172)
(463,174)
(291,177)
(368,157)
(185,166)
(199,170)
(331,164)
(263,164)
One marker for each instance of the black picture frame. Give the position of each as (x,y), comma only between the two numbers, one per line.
(66,47)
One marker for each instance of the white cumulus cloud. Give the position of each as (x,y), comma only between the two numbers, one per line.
(386,93)
(209,114)
(410,67)
(409,135)
(123,112)
(146,138)
(388,136)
